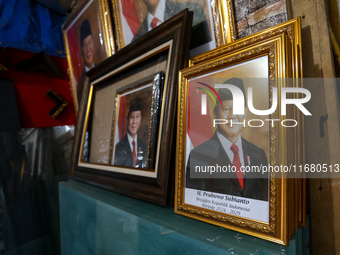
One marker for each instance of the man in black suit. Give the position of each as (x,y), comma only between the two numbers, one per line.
(228,148)
(131,151)
(159,11)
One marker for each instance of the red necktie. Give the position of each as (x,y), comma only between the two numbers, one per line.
(154,22)
(134,153)
(237,164)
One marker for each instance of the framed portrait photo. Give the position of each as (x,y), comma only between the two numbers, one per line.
(293,30)
(88,41)
(136,123)
(228,143)
(213,21)
(124,140)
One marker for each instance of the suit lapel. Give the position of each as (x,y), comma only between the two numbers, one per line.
(141,31)
(127,148)
(140,148)
(245,152)
(246,163)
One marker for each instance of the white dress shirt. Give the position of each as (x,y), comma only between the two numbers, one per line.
(226,144)
(159,14)
(130,143)
(87,68)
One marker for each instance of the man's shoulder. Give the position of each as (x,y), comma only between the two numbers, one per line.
(250,145)
(208,147)
(200,28)
(122,142)
(142,29)
(253,151)
(192,6)
(140,141)
(172,8)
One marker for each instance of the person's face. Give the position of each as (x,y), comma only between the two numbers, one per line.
(225,111)
(88,51)
(134,120)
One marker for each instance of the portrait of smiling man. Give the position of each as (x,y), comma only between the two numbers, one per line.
(131,151)
(228,148)
(87,53)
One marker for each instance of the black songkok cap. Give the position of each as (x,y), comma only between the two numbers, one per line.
(85,30)
(136,105)
(225,94)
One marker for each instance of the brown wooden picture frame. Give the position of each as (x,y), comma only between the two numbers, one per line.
(158,186)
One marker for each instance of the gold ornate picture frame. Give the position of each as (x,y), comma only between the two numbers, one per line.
(293,30)
(267,211)
(223,15)
(88,39)
(213,22)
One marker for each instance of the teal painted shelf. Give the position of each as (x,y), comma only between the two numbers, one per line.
(97,221)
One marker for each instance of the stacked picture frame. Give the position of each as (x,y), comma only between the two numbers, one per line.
(114,24)
(150,118)
(88,38)
(131,96)
(270,205)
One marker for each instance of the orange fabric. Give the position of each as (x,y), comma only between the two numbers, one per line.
(130,15)
(199,127)
(77,66)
